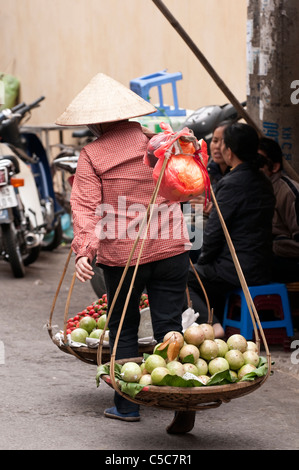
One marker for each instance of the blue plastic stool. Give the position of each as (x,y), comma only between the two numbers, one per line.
(244,324)
(142,85)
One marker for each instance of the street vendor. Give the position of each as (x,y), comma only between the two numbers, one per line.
(111,192)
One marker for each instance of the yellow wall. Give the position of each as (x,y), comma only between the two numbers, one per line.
(56,46)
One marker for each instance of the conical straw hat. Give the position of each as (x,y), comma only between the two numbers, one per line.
(104,100)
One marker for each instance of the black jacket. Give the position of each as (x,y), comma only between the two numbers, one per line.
(246,201)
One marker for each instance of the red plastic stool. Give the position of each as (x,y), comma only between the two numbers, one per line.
(267,298)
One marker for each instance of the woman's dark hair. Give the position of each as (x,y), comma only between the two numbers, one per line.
(227,122)
(243,141)
(273,151)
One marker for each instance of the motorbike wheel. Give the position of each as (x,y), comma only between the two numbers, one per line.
(32,255)
(13,250)
(53,239)
(97,281)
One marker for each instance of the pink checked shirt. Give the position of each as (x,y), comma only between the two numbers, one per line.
(111,192)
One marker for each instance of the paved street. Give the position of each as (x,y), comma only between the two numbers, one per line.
(50,400)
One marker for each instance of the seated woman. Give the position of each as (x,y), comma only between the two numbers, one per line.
(285,226)
(217,166)
(246,201)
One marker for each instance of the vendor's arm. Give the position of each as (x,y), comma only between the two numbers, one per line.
(85,199)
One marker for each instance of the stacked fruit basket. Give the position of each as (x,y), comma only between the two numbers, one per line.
(85,335)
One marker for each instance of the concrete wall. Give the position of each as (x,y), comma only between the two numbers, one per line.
(56,46)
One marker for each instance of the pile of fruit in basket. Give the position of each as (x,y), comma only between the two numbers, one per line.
(91,321)
(194,358)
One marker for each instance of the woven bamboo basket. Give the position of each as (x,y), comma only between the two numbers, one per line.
(86,354)
(187,398)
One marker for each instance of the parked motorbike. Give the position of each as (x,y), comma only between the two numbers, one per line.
(20,242)
(204,120)
(28,148)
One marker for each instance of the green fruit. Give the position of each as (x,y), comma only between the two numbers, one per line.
(202,366)
(88,324)
(245,370)
(101,321)
(208,349)
(131,372)
(97,333)
(189,353)
(191,368)
(237,342)
(251,357)
(235,359)
(145,379)
(222,347)
(219,364)
(158,374)
(153,361)
(176,368)
(79,335)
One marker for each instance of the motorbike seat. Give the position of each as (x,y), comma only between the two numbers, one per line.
(14,161)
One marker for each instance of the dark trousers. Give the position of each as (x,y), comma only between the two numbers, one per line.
(165,282)
(216,290)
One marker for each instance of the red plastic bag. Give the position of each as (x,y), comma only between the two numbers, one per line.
(185,175)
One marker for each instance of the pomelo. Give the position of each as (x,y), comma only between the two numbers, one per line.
(202,366)
(251,357)
(237,342)
(219,364)
(194,335)
(97,333)
(88,324)
(245,370)
(175,336)
(252,346)
(235,359)
(158,374)
(189,350)
(79,335)
(131,372)
(191,368)
(222,347)
(145,379)
(153,361)
(101,321)
(175,368)
(208,330)
(208,349)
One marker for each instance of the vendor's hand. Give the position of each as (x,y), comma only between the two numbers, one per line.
(84,271)
(207,208)
(201,200)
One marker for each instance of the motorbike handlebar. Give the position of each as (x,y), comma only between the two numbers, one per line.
(21,109)
(25,108)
